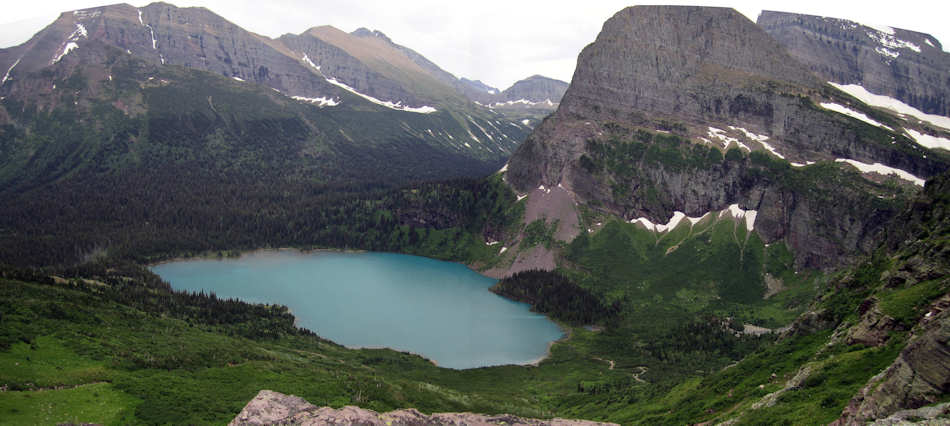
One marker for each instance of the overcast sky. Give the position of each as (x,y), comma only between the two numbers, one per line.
(496,41)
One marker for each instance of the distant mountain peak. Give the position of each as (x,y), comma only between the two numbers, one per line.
(365,32)
(478,84)
(536,88)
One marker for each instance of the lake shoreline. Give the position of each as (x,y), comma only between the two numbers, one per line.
(568,333)
(565,331)
(217,255)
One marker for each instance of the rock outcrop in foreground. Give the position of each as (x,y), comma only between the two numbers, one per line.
(269,407)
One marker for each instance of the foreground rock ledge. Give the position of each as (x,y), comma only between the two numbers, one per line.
(269,408)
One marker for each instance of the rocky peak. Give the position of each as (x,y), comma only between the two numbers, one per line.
(673,60)
(537,88)
(366,32)
(894,62)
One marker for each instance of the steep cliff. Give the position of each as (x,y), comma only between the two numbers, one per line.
(903,64)
(693,109)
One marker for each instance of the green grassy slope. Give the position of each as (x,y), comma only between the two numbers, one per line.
(118,347)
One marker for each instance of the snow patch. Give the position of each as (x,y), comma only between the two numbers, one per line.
(883,29)
(882,169)
(235,77)
(544,190)
(504,168)
(750,135)
(70,46)
(807,163)
(482,129)
(162,57)
(526,122)
(7,75)
(522,101)
(70,43)
(521,197)
(889,41)
(890,103)
(321,101)
(720,134)
(695,220)
(152,33)
(771,149)
(738,213)
(929,43)
(886,52)
(675,220)
(491,243)
(669,226)
(503,249)
(309,62)
(396,106)
(86,14)
(645,222)
(761,139)
(841,109)
(929,141)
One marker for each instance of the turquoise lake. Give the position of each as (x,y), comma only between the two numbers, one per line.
(440,310)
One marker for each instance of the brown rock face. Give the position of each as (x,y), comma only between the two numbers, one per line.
(270,407)
(919,377)
(902,64)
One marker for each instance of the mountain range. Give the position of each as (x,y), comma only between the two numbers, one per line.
(411,109)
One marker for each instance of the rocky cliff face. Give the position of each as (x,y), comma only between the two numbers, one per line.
(682,62)
(919,377)
(902,64)
(663,87)
(270,407)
